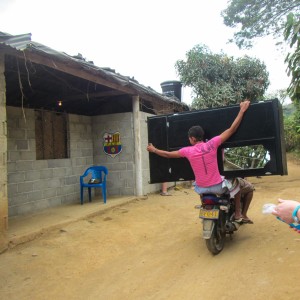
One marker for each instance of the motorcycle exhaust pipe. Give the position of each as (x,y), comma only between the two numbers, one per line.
(232,226)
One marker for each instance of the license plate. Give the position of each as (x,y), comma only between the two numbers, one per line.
(209,214)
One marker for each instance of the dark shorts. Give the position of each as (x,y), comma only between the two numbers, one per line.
(245,186)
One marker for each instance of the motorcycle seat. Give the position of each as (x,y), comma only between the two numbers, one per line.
(214,199)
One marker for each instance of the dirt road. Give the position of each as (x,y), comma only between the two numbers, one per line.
(152,249)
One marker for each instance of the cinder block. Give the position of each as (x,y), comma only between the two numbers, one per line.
(27,155)
(13,211)
(32,175)
(54,182)
(128,191)
(16,133)
(17,200)
(117,167)
(129,165)
(55,201)
(22,145)
(24,165)
(25,208)
(40,185)
(71,180)
(59,172)
(39,164)
(12,189)
(46,173)
(80,161)
(42,204)
(120,183)
(34,196)
(129,183)
(89,161)
(87,152)
(55,163)
(11,167)
(14,156)
(49,193)
(24,187)
(13,112)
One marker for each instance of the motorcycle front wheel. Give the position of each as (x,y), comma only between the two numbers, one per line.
(216,242)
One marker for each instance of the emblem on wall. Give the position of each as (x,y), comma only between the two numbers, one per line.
(112,143)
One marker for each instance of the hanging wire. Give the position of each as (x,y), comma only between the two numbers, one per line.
(25,59)
(87,92)
(21,89)
(166,108)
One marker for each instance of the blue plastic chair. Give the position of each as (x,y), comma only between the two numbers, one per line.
(96,178)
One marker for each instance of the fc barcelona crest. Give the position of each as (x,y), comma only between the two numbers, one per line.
(112,143)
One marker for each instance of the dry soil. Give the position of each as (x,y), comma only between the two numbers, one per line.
(153,249)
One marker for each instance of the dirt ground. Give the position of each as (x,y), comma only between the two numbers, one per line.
(153,249)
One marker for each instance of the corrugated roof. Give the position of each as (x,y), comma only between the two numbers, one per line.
(18,42)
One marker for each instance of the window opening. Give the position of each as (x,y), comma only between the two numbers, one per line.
(51,135)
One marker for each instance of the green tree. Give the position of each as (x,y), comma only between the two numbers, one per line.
(292,36)
(292,121)
(292,131)
(280,18)
(258,18)
(220,80)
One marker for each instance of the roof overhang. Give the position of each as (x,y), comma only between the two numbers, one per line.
(40,77)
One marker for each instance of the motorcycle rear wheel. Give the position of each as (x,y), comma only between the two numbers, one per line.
(216,243)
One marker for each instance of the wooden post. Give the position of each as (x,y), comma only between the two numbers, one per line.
(137,145)
(3,160)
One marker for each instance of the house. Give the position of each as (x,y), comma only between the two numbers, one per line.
(58,113)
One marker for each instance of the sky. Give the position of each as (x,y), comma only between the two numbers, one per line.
(137,38)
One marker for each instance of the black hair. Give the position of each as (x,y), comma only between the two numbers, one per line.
(197,132)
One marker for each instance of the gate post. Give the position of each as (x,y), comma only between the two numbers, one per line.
(137,145)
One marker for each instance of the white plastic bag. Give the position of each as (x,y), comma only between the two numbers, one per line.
(268,208)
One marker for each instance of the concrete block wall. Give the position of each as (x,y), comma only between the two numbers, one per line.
(121,168)
(121,174)
(38,184)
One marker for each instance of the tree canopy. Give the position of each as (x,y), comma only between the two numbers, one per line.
(292,36)
(280,18)
(219,79)
(257,18)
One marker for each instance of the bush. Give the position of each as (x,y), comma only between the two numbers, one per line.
(292,132)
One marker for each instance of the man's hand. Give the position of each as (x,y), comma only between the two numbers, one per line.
(284,210)
(236,123)
(151,148)
(162,153)
(244,105)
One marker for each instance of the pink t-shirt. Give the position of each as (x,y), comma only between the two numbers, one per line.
(203,160)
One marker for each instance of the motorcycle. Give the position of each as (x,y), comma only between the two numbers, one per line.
(217,213)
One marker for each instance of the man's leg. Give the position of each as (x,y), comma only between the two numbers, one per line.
(237,201)
(247,198)
(164,189)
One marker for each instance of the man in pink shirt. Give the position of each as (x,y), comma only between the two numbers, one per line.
(203,159)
